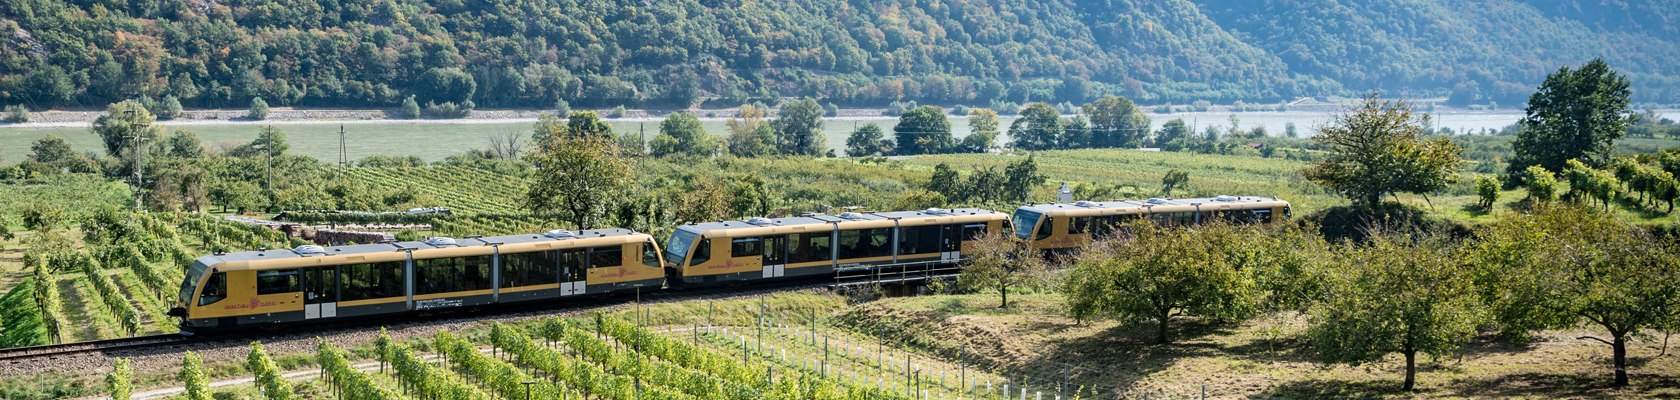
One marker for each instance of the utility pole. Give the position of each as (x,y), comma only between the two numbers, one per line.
(268,148)
(343,157)
(135,150)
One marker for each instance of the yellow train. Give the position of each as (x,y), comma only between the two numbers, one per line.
(1065,226)
(314,283)
(311,283)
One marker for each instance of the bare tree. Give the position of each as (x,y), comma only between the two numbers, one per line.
(507,144)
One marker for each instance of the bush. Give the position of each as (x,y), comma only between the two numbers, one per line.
(1487,191)
(410,109)
(259,109)
(448,109)
(831,110)
(168,108)
(617,112)
(17,113)
(561,107)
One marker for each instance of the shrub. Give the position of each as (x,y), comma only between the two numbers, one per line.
(617,112)
(448,109)
(409,109)
(17,113)
(259,109)
(561,107)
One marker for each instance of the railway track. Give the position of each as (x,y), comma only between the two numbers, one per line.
(54,351)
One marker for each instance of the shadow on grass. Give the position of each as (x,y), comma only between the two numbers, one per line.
(1332,389)
(1115,359)
(1568,385)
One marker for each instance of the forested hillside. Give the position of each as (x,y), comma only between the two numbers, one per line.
(602,53)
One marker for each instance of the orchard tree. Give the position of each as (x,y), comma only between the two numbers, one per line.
(1000,264)
(1379,148)
(682,134)
(1173,180)
(867,140)
(923,130)
(1038,127)
(1116,122)
(50,149)
(1157,273)
(1565,265)
(1019,179)
(982,131)
(1487,192)
(1575,114)
(120,122)
(749,135)
(183,144)
(579,177)
(799,128)
(1395,294)
(1173,136)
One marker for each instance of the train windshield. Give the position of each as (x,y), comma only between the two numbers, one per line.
(1024,222)
(188,284)
(677,248)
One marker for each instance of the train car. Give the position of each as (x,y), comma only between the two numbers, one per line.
(314,283)
(823,245)
(1061,227)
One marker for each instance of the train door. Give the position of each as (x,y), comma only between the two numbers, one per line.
(950,243)
(573,272)
(775,256)
(320,292)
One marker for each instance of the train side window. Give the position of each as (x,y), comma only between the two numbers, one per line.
(650,255)
(879,242)
(973,232)
(526,269)
(702,253)
(1261,216)
(371,281)
(1044,228)
(278,281)
(1080,225)
(606,257)
(215,289)
(918,239)
(807,247)
(747,247)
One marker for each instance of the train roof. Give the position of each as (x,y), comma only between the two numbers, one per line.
(390,251)
(856,220)
(1176,204)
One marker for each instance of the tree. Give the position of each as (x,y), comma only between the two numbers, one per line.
(798,128)
(183,144)
(1116,122)
(1564,265)
(1396,294)
(681,133)
(508,145)
(50,149)
(1037,128)
(43,217)
(1541,185)
(1076,133)
(1173,136)
(410,108)
(1157,273)
(1380,148)
(1174,179)
(982,131)
(1020,178)
(867,140)
(945,181)
(1575,114)
(578,177)
(760,141)
(270,142)
(446,85)
(1487,192)
(923,130)
(1000,263)
(120,122)
(46,87)
(586,124)
(169,108)
(259,109)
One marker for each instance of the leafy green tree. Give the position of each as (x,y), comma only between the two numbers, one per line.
(867,140)
(1487,192)
(923,130)
(50,149)
(1562,266)
(681,133)
(446,85)
(169,108)
(1076,133)
(47,87)
(1173,180)
(184,144)
(798,128)
(1116,122)
(270,142)
(1541,185)
(1380,148)
(1037,128)
(1020,178)
(579,177)
(586,124)
(1157,273)
(410,108)
(945,181)
(1395,294)
(259,109)
(982,131)
(1000,264)
(1173,136)
(120,122)
(1575,114)
(43,218)
(760,141)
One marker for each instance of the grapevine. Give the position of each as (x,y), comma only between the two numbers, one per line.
(502,378)
(421,378)
(119,383)
(589,377)
(267,375)
(345,379)
(192,376)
